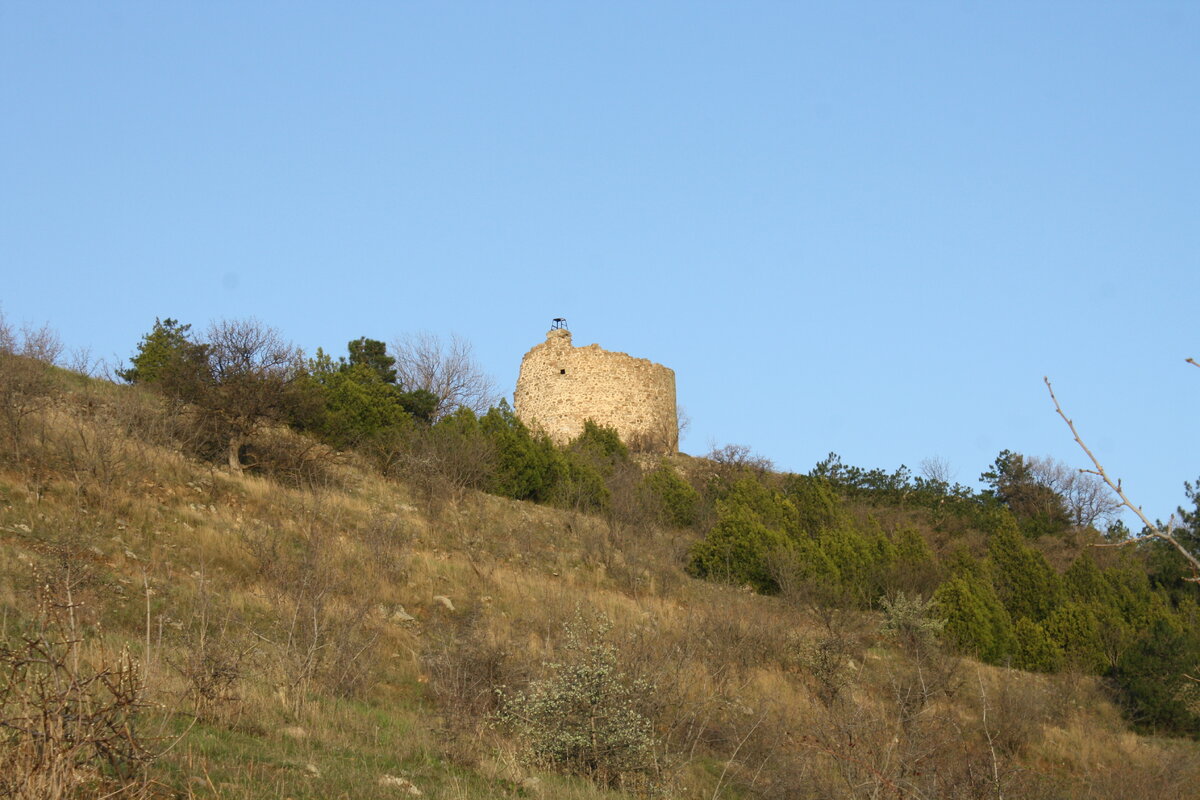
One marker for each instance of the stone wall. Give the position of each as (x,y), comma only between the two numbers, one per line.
(560,386)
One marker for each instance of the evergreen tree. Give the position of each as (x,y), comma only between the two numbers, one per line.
(421,404)
(1153,677)
(817,505)
(600,446)
(1024,581)
(166,354)
(357,404)
(1038,508)
(526,467)
(976,620)
(1035,649)
(1075,628)
(678,501)
(373,354)
(738,550)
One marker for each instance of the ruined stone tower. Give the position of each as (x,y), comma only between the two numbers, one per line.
(560,386)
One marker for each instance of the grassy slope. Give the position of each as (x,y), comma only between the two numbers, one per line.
(295,595)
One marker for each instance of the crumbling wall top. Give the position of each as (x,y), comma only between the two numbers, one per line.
(558,337)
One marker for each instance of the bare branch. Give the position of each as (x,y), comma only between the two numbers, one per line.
(1193,362)
(447,369)
(1152,531)
(936,468)
(8,338)
(41,344)
(1082,492)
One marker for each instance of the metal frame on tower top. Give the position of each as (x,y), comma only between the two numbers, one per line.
(559,323)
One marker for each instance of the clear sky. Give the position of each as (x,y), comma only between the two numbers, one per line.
(868,228)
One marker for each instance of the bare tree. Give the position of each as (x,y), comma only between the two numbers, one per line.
(8,339)
(739,457)
(251,372)
(27,385)
(1151,530)
(447,369)
(1084,494)
(40,344)
(683,420)
(936,468)
(80,360)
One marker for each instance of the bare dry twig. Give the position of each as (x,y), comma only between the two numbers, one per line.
(1151,530)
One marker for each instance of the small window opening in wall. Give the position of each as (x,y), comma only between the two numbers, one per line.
(562,372)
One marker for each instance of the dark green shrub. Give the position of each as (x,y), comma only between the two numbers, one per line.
(1152,676)
(1024,581)
(976,621)
(1074,628)
(357,405)
(816,504)
(678,501)
(527,467)
(579,485)
(1035,649)
(600,445)
(738,550)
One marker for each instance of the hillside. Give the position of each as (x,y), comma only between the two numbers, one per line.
(314,625)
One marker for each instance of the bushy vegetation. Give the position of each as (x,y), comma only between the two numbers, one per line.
(586,715)
(823,535)
(384,592)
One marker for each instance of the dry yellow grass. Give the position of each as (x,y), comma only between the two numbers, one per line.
(309,588)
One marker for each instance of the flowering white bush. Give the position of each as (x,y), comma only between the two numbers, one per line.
(586,716)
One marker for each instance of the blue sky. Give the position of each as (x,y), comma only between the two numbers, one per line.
(868,228)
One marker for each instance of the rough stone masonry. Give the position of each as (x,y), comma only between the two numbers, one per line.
(560,386)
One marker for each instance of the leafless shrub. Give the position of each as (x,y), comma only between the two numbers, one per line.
(212,670)
(739,457)
(290,458)
(826,662)
(877,747)
(80,360)
(443,465)
(27,383)
(389,539)
(936,468)
(97,456)
(905,725)
(69,713)
(861,746)
(729,463)
(211,663)
(739,641)
(321,638)
(40,344)
(683,420)
(465,665)
(8,337)
(1174,772)
(447,369)
(662,438)
(147,418)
